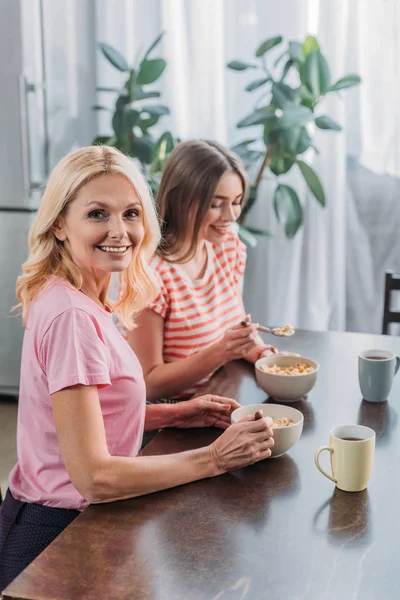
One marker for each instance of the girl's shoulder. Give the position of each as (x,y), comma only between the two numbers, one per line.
(164,269)
(232,245)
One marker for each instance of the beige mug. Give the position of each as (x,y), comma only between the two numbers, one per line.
(352,450)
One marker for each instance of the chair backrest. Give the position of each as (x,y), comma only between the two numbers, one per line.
(392,283)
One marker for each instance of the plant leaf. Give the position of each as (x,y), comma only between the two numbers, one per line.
(286,69)
(164,146)
(107,89)
(345,82)
(247,236)
(254,85)
(280,57)
(256,231)
(280,164)
(141,95)
(154,44)
(296,140)
(325,122)
(258,117)
(316,74)
(288,209)
(122,101)
(115,58)
(310,44)
(283,94)
(157,110)
(239,65)
(296,52)
(268,45)
(307,98)
(295,116)
(249,157)
(142,148)
(241,145)
(151,70)
(123,121)
(312,181)
(146,122)
(131,84)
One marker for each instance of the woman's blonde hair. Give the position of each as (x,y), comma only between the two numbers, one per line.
(188,184)
(48,257)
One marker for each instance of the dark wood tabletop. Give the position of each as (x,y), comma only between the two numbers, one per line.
(275,530)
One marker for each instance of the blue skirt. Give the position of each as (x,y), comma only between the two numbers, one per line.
(25,531)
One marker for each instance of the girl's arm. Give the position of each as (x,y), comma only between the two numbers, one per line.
(164,380)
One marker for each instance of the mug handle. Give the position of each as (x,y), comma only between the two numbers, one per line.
(316,459)
(396,368)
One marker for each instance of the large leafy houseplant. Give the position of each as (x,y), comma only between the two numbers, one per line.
(286,112)
(134,116)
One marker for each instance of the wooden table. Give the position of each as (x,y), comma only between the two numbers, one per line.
(278,529)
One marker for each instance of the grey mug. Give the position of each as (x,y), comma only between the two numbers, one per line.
(376,371)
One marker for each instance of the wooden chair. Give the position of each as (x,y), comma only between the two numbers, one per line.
(392,283)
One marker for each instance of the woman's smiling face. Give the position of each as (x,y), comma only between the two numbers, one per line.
(225,208)
(103,225)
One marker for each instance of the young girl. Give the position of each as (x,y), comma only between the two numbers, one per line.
(82,405)
(193,326)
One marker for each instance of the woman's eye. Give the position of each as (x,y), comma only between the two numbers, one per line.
(216,205)
(132,213)
(96,214)
(239,203)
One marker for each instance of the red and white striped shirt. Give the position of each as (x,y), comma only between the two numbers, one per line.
(197,312)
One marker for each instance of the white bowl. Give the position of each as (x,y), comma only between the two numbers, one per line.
(284,437)
(286,388)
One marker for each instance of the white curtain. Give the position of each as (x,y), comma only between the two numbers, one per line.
(315,280)
(379,51)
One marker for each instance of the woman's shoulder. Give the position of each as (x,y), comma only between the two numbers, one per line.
(56,298)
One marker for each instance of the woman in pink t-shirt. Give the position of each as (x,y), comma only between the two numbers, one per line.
(82,405)
(194,324)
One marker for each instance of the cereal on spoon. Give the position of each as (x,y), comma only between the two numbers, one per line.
(285,330)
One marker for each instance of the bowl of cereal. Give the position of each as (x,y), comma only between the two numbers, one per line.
(287,426)
(286,378)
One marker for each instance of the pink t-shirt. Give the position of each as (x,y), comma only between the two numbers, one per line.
(71,340)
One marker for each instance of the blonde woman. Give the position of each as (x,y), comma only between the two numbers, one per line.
(193,326)
(82,406)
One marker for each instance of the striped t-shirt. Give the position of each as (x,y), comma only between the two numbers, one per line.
(197,312)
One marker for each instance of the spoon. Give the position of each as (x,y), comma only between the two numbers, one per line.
(258,415)
(278,331)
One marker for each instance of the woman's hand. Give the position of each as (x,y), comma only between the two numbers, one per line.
(260,351)
(236,342)
(205,411)
(244,443)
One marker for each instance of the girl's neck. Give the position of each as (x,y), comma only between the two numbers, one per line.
(197,265)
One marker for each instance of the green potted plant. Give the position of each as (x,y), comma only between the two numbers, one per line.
(134,117)
(283,115)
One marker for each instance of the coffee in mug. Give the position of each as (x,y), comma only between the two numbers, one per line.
(376,371)
(352,449)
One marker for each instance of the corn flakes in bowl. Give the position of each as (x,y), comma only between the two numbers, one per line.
(287,427)
(286,378)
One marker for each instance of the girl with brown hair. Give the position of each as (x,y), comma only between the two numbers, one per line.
(193,326)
